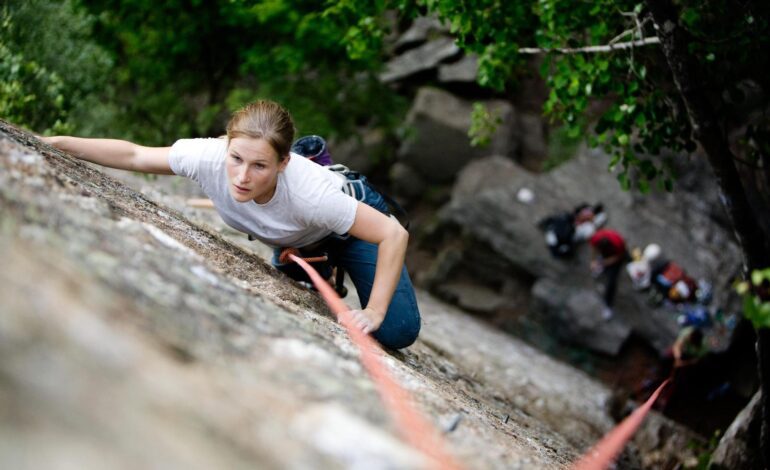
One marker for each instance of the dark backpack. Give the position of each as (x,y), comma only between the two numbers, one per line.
(313,147)
(559,231)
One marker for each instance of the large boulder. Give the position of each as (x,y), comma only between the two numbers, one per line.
(464,70)
(488,209)
(437,142)
(419,59)
(739,446)
(421,29)
(362,151)
(573,314)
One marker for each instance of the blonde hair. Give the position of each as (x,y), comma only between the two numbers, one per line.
(264,119)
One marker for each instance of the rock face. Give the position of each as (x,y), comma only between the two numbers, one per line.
(420,59)
(131,337)
(739,445)
(488,238)
(437,145)
(493,219)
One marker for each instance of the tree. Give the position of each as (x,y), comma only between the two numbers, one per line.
(49,66)
(669,77)
(182,66)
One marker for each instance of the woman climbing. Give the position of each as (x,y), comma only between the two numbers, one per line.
(286,201)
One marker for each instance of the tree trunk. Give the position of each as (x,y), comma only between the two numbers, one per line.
(763,356)
(709,132)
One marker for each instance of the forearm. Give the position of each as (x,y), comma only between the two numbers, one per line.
(107,152)
(114,153)
(390,262)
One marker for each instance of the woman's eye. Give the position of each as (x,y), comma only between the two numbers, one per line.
(235,159)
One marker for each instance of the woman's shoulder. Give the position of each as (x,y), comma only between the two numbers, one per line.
(196,158)
(206,147)
(305,170)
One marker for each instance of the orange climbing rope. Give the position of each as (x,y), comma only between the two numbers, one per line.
(414,427)
(604,452)
(286,254)
(411,424)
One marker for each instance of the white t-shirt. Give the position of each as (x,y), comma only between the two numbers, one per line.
(307,206)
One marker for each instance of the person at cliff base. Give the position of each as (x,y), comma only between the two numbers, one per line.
(608,254)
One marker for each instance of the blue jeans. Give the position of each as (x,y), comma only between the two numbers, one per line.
(359,259)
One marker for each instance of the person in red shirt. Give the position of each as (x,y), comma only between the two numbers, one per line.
(608,253)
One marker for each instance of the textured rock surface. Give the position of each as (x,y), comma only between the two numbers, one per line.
(420,59)
(438,145)
(487,210)
(132,338)
(737,448)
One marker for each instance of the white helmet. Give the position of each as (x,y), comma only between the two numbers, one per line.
(651,252)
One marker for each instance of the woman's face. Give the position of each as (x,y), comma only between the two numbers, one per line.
(252,169)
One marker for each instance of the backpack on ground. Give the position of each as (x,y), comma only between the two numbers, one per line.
(559,230)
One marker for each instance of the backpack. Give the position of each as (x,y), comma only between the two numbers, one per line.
(671,274)
(313,147)
(559,231)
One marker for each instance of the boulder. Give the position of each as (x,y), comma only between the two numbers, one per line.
(406,181)
(574,315)
(419,59)
(421,29)
(488,209)
(489,172)
(464,70)
(472,298)
(362,151)
(739,446)
(437,143)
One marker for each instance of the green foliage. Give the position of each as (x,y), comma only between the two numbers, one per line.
(484,123)
(625,100)
(561,147)
(704,452)
(48,66)
(756,297)
(29,91)
(57,65)
(183,67)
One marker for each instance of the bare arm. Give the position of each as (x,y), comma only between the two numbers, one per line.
(114,153)
(372,226)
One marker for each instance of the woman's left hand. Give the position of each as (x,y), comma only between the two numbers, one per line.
(366,320)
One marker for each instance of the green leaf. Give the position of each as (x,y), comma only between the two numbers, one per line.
(624,181)
(742,288)
(644,186)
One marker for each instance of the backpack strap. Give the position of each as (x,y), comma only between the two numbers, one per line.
(356,187)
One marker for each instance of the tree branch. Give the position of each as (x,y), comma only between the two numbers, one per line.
(592,49)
